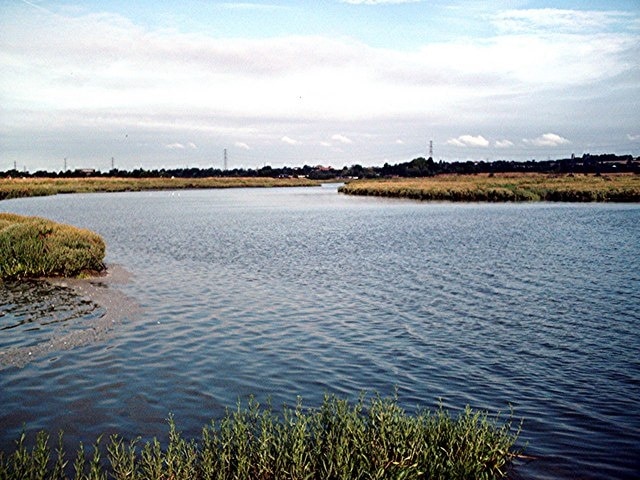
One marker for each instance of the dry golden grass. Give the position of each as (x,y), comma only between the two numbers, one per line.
(31,187)
(504,188)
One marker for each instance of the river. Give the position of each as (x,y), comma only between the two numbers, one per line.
(280,293)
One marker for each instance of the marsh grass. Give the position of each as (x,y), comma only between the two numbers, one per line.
(34,247)
(338,440)
(32,187)
(504,188)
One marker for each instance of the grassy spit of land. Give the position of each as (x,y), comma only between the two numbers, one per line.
(32,187)
(335,441)
(36,247)
(504,188)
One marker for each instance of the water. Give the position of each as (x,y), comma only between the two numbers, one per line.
(287,292)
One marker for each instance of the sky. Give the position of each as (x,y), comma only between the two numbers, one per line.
(165,84)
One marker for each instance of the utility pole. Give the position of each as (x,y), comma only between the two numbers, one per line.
(225,159)
(65,164)
(430,148)
(15,165)
(112,163)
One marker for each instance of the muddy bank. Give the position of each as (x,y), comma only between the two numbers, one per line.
(58,314)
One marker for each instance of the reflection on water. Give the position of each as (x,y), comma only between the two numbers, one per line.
(280,293)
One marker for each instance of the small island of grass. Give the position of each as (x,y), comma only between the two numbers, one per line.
(37,247)
(504,188)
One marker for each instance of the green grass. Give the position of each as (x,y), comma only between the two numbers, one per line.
(504,188)
(338,440)
(33,187)
(37,247)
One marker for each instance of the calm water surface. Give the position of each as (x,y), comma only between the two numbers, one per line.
(287,292)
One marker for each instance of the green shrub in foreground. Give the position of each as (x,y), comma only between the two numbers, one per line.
(33,246)
(336,441)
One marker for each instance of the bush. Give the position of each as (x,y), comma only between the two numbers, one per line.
(33,246)
(336,441)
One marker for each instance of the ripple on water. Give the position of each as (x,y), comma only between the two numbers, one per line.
(279,294)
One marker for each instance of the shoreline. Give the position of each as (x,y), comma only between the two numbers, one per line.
(38,187)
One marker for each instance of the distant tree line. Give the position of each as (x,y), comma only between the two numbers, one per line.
(418,167)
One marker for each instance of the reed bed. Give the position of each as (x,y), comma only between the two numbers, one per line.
(338,440)
(32,187)
(504,188)
(37,247)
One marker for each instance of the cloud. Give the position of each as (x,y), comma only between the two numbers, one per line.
(181,146)
(242,145)
(73,79)
(119,64)
(547,140)
(341,139)
(399,142)
(558,20)
(250,6)
(633,138)
(503,144)
(379,2)
(468,141)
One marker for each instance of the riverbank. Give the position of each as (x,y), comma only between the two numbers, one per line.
(37,247)
(504,188)
(33,187)
(337,440)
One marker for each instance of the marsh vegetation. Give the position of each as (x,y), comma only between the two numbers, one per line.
(338,440)
(504,188)
(37,247)
(34,186)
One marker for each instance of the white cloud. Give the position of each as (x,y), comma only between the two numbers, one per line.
(547,140)
(633,138)
(503,143)
(84,74)
(119,64)
(379,2)
(250,6)
(468,141)
(558,20)
(242,145)
(181,146)
(399,142)
(341,139)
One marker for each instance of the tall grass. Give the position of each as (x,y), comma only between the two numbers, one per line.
(338,440)
(33,246)
(504,188)
(32,187)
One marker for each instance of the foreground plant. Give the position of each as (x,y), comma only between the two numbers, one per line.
(338,440)
(33,246)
